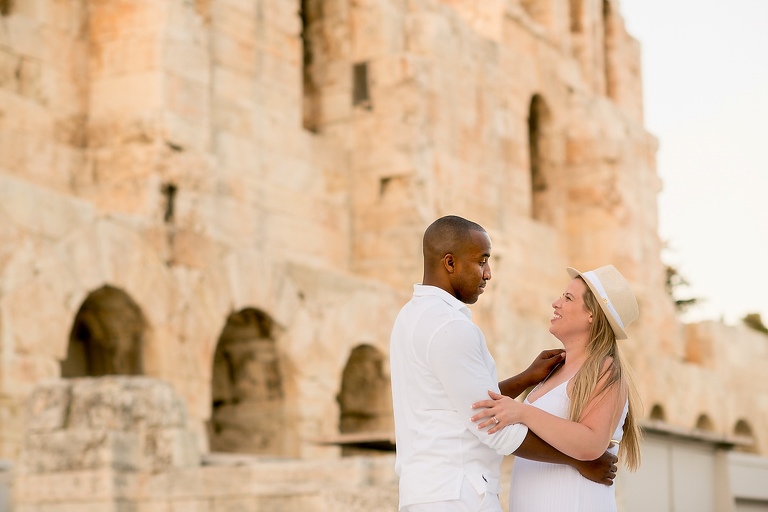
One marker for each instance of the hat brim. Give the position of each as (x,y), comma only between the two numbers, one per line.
(617,329)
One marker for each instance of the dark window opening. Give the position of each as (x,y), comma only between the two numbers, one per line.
(169,191)
(575,7)
(608,42)
(360,86)
(538,119)
(310,13)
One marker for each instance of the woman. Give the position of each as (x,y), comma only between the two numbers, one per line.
(585,405)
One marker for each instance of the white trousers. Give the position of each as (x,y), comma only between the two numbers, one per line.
(470,501)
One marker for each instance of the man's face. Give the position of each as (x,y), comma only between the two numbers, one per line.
(471,267)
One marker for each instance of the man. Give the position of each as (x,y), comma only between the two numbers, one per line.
(440,366)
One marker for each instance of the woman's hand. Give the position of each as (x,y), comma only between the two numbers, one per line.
(500,411)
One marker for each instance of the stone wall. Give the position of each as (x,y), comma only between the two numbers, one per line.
(170,169)
(124,443)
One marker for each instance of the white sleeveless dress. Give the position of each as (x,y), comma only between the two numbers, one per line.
(543,487)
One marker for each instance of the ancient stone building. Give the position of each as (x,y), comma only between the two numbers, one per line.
(211,211)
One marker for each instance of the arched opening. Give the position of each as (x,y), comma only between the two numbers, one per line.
(247,388)
(657,413)
(743,432)
(365,399)
(107,336)
(539,121)
(704,423)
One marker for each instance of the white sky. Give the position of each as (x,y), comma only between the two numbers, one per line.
(705,79)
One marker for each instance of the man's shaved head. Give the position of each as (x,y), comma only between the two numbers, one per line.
(456,253)
(447,235)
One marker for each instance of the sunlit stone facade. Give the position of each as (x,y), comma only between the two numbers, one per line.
(224,199)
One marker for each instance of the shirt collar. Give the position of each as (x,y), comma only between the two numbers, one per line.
(425,290)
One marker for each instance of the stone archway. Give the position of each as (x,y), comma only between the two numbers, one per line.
(703,422)
(365,399)
(657,413)
(107,336)
(248,409)
(743,431)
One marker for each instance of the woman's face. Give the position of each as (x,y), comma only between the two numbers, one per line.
(571,319)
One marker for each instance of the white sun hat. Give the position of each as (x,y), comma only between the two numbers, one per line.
(613,294)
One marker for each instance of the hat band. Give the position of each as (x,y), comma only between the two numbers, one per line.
(599,287)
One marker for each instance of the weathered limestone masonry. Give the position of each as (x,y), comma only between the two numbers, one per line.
(122,444)
(227,196)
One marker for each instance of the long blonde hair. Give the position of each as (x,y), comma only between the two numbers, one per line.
(602,345)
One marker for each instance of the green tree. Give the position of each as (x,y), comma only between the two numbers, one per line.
(753,321)
(674,283)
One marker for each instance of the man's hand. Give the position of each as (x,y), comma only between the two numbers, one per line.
(601,470)
(535,373)
(543,364)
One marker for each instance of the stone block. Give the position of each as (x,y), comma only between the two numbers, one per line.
(280,73)
(236,54)
(291,501)
(61,212)
(214,482)
(21,372)
(188,59)
(75,450)
(187,98)
(233,85)
(120,19)
(124,404)
(335,106)
(235,504)
(90,506)
(236,18)
(24,36)
(151,506)
(134,53)
(283,15)
(117,423)
(65,486)
(281,43)
(47,408)
(193,505)
(29,335)
(136,94)
(170,448)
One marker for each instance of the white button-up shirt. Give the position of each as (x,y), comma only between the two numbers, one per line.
(440,366)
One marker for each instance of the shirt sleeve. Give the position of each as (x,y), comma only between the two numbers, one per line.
(456,355)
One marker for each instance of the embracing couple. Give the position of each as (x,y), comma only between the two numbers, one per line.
(454,421)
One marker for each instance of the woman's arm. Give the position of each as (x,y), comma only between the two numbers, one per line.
(583,440)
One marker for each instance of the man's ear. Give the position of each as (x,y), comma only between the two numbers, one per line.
(449,263)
